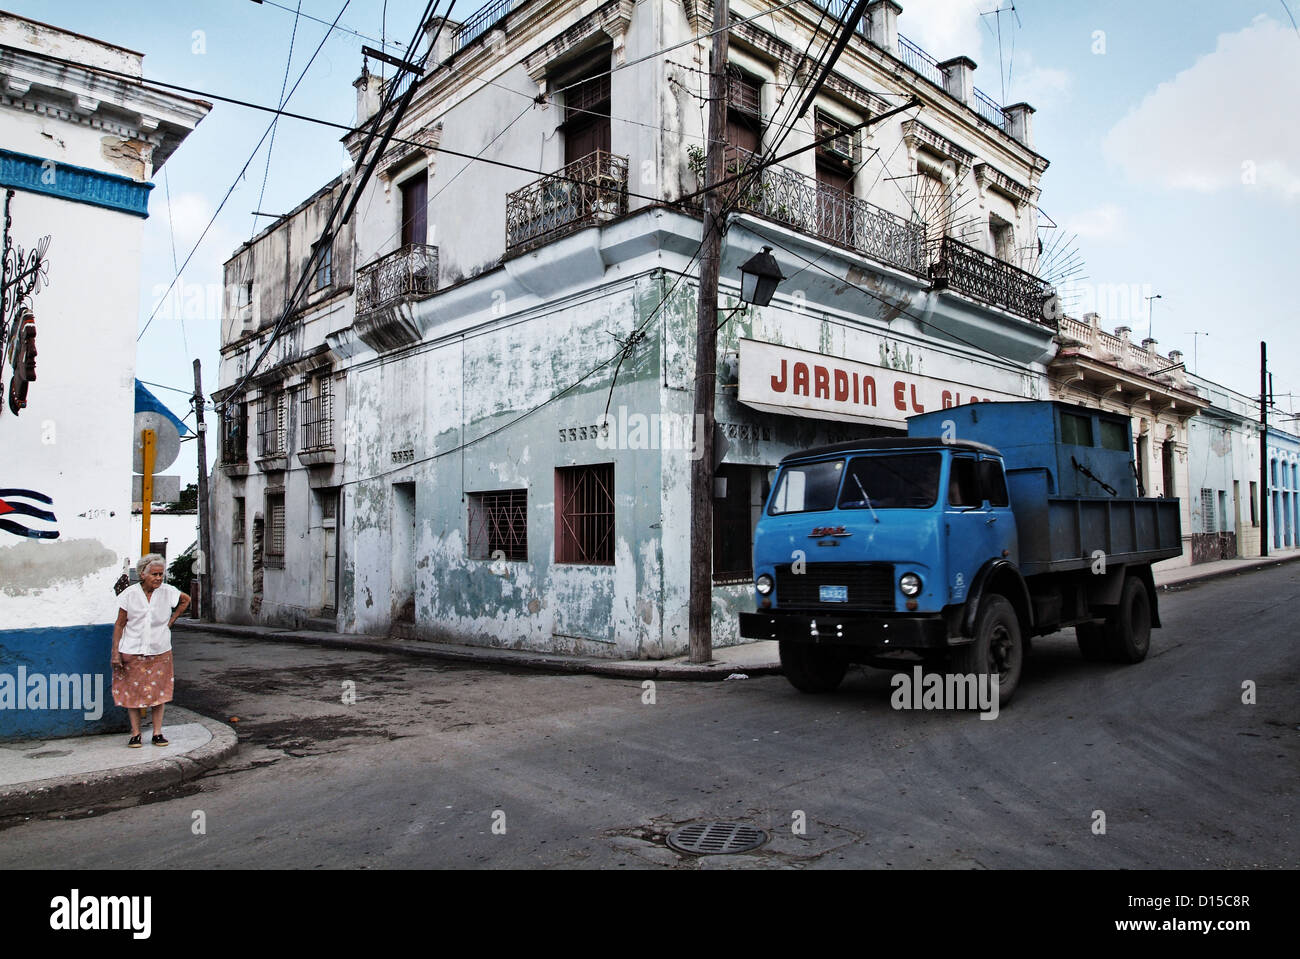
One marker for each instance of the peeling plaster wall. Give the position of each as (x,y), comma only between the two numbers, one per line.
(72,443)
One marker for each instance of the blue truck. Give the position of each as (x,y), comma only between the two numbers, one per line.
(951,547)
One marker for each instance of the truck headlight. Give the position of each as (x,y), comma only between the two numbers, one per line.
(763,584)
(910,584)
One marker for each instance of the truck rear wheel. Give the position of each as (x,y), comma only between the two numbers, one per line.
(812,669)
(1128,628)
(998,649)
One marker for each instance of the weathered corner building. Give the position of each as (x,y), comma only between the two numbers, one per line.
(79,143)
(484,434)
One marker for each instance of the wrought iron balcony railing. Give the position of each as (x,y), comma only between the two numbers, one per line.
(919,60)
(481,22)
(996,282)
(586,191)
(798,200)
(409,271)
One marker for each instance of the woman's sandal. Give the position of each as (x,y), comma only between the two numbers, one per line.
(160,740)
(134,742)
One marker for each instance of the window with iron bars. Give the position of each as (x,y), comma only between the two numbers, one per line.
(317,414)
(270,424)
(584,514)
(234,433)
(498,524)
(273,553)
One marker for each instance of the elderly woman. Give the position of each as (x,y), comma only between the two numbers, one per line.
(142,646)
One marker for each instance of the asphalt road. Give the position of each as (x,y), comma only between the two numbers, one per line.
(475,767)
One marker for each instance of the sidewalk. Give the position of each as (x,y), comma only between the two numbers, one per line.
(40,776)
(45,775)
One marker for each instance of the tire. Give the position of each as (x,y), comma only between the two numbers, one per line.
(1128,629)
(998,648)
(812,669)
(1092,642)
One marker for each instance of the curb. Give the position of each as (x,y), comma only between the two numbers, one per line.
(1252,567)
(64,792)
(489,656)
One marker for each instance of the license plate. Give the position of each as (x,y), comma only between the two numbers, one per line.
(835,594)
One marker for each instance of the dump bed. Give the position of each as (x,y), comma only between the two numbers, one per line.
(1072,482)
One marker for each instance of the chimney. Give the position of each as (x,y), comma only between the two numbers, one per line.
(1020,123)
(446,46)
(1175,357)
(1123,331)
(369,94)
(959,78)
(1149,345)
(882,24)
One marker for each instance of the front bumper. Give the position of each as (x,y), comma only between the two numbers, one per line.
(868,632)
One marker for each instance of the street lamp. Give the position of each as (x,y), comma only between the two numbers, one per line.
(759,276)
(1151,323)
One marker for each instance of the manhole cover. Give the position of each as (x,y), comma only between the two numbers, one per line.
(716,838)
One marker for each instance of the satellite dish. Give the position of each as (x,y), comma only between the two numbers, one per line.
(167,441)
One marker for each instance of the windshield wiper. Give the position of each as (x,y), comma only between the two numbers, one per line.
(866,497)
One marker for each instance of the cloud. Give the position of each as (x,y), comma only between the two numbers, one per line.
(1225,122)
(1103,221)
(1045,87)
(944,28)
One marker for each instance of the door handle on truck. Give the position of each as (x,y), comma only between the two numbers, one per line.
(990,521)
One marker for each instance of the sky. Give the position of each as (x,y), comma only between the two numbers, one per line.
(1170,126)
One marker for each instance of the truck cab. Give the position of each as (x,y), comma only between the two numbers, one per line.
(867,552)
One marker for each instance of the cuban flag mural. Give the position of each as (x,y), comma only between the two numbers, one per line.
(25,512)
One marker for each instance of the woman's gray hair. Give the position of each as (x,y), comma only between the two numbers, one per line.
(150,559)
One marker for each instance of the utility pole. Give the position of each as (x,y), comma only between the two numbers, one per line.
(201,430)
(1263,449)
(706,350)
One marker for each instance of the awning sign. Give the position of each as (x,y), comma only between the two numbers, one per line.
(780,379)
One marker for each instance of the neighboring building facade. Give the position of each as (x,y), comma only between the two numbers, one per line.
(79,149)
(1223,474)
(1109,371)
(510,371)
(1284,489)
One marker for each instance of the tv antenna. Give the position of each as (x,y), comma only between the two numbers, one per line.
(1004,71)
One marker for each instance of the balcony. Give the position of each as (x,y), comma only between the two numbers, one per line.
(833,215)
(587,191)
(411,271)
(984,277)
(385,289)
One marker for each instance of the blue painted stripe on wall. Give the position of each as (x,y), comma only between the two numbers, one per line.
(60,651)
(21,171)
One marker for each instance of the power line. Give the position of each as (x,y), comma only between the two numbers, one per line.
(266,172)
(382,43)
(351,192)
(242,171)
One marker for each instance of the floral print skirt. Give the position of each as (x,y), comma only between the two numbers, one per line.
(143,681)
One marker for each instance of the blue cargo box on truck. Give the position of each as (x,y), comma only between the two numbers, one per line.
(1073,484)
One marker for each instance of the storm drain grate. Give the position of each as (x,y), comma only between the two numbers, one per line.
(716,838)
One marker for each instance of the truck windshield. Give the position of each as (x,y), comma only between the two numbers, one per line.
(808,488)
(892,481)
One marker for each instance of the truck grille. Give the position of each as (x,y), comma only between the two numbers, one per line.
(869,585)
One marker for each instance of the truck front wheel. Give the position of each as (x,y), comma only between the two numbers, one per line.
(998,648)
(1128,628)
(812,669)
